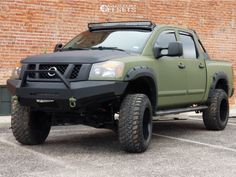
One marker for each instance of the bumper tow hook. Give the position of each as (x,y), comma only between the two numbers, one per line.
(72,102)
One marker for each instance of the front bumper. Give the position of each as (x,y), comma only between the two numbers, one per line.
(86,93)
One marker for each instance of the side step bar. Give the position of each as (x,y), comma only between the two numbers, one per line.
(180,110)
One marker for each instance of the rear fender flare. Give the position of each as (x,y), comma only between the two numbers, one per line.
(216,77)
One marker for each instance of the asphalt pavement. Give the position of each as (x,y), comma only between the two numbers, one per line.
(180,147)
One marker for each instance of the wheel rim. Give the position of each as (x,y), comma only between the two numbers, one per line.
(223,110)
(146,124)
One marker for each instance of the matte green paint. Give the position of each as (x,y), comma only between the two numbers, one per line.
(178,87)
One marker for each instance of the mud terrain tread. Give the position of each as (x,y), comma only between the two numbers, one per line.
(21,128)
(130,122)
(211,116)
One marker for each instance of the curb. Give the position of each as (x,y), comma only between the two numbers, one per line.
(5,119)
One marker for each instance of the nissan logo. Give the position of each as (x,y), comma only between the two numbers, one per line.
(51,74)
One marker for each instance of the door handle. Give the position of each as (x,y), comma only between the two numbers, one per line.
(181,66)
(201,66)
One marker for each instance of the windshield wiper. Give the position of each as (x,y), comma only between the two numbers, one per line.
(92,48)
(75,48)
(106,48)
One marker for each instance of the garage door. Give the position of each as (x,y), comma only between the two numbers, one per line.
(5,101)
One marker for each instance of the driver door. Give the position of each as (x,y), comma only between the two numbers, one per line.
(171,74)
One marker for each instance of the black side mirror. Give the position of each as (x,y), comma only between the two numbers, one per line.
(157,50)
(57,47)
(174,49)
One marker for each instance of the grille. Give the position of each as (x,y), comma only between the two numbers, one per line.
(32,67)
(75,71)
(52,75)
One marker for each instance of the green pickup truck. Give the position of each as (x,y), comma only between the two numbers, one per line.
(118,75)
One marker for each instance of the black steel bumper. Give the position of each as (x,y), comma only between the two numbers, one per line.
(57,94)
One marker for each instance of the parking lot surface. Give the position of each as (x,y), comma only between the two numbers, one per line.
(180,147)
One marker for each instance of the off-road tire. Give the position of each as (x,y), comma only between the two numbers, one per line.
(217,114)
(135,123)
(28,127)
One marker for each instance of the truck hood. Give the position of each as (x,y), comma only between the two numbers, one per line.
(77,57)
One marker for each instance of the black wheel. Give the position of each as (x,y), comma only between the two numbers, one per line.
(135,123)
(29,127)
(217,114)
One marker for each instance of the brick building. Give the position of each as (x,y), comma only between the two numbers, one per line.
(29,27)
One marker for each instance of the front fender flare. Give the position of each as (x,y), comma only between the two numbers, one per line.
(140,71)
(144,71)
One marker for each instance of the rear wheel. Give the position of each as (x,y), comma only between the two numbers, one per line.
(135,123)
(217,114)
(29,127)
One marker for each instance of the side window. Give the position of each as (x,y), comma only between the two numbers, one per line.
(189,48)
(165,38)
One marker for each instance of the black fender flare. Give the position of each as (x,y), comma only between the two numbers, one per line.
(216,77)
(144,71)
(140,71)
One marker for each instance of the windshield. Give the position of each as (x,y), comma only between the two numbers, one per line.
(133,41)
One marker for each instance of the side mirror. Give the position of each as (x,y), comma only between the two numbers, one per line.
(57,47)
(157,50)
(174,49)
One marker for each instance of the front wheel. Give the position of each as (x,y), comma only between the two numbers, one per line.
(29,127)
(135,123)
(217,114)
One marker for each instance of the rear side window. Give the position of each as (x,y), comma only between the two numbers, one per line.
(165,38)
(189,48)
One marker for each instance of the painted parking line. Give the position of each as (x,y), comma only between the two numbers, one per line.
(189,118)
(41,155)
(196,142)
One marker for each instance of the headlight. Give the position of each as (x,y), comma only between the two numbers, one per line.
(16,72)
(109,70)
